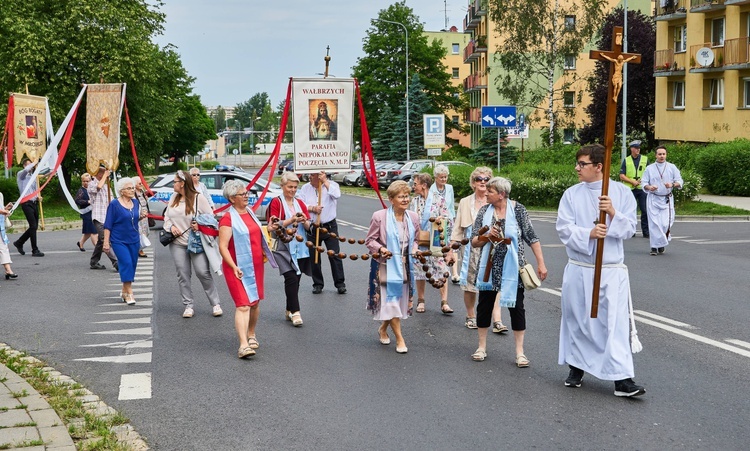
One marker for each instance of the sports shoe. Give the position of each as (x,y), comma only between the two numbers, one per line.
(98,266)
(574,377)
(342,290)
(471,323)
(217,310)
(628,388)
(661,250)
(188,313)
(653,251)
(19,247)
(317,290)
(37,253)
(499,328)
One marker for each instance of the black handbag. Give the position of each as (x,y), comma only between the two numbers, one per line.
(166,238)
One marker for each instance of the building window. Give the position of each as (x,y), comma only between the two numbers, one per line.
(455,72)
(680,38)
(746,97)
(717,32)
(569,99)
(454,119)
(678,95)
(569,135)
(570,22)
(570,62)
(716,93)
(455,48)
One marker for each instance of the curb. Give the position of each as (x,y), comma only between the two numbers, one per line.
(40,422)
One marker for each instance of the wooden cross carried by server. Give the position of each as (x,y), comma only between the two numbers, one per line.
(617,59)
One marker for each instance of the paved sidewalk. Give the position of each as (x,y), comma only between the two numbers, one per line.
(29,423)
(736,202)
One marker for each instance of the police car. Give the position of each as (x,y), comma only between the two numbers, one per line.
(214,181)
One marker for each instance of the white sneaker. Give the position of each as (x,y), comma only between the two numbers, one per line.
(217,310)
(188,313)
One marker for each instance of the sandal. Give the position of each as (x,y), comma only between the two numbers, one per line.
(296,319)
(252,342)
(522,361)
(245,352)
(471,323)
(479,355)
(420,305)
(499,328)
(445,308)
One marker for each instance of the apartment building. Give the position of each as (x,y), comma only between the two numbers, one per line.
(454,42)
(702,70)
(479,85)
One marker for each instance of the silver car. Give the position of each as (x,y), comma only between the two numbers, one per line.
(214,181)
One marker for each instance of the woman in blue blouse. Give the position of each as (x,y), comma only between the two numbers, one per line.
(122,236)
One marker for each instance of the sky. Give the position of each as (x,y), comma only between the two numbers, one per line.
(237,48)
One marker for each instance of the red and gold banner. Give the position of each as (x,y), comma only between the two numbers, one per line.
(103,109)
(29,126)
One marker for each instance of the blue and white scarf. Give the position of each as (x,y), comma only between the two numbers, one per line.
(464,273)
(244,253)
(426,211)
(296,249)
(394,268)
(448,196)
(509,281)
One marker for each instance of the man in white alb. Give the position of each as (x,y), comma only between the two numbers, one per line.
(598,346)
(659,180)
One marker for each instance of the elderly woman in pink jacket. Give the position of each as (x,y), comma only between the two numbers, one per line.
(391,240)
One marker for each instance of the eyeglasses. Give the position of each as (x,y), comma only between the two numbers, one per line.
(482,179)
(403,197)
(179,181)
(245,194)
(195,175)
(583,164)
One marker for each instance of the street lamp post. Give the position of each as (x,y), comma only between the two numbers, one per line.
(406,32)
(252,134)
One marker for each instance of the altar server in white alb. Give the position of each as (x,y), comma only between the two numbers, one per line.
(598,346)
(658,181)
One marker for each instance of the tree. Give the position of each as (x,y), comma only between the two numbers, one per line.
(486,150)
(192,130)
(536,37)
(219,117)
(87,41)
(419,104)
(384,134)
(641,83)
(381,72)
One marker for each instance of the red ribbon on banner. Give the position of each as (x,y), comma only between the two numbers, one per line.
(60,155)
(135,157)
(368,161)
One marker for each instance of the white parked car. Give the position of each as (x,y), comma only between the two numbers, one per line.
(214,181)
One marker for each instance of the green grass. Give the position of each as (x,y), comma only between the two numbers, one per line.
(699,208)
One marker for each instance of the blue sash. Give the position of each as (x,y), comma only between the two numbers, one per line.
(394,268)
(481,284)
(244,252)
(425,219)
(509,281)
(297,250)
(464,274)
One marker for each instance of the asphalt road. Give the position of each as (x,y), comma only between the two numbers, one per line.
(331,385)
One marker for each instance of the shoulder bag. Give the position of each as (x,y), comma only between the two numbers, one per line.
(528,277)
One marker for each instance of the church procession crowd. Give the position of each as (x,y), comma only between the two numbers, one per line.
(483,247)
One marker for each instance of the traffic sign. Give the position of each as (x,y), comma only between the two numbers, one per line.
(498,116)
(518,132)
(434,131)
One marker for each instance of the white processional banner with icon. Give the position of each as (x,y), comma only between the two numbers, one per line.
(323,119)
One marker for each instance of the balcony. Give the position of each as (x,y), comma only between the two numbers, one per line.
(672,10)
(715,66)
(480,6)
(475,82)
(472,19)
(702,6)
(736,2)
(473,115)
(474,48)
(737,53)
(667,63)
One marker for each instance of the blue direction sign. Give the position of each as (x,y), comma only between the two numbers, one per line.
(498,116)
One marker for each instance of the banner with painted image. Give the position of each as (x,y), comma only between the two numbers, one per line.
(103,113)
(323,120)
(29,126)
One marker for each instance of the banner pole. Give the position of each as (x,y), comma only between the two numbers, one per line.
(317,221)
(41,209)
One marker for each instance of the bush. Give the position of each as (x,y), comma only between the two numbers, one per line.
(691,187)
(538,184)
(209,164)
(172,168)
(725,167)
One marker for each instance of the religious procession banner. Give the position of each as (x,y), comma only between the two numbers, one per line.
(323,121)
(103,113)
(29,126)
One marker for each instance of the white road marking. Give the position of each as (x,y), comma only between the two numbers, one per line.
(137,331)
(718,242)
(663,319)
(135,386)
(146,320)
(130,311)
(744,344)
(129,358)
(123,344)
(696,337)
(553,245)
(550,291)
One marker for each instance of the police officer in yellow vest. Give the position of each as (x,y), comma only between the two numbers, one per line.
(630,174)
